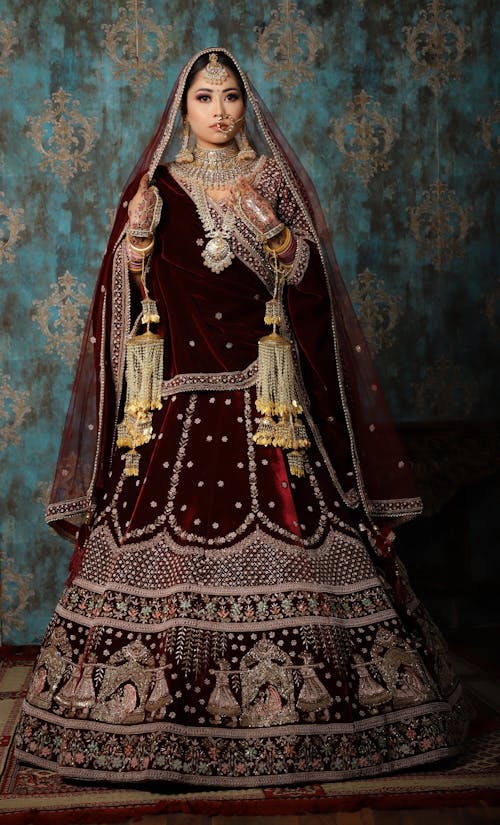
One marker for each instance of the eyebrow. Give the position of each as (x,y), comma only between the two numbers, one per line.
(208,89)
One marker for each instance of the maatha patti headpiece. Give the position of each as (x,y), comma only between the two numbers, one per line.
(215,71)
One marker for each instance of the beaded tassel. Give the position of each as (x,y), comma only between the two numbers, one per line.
(276,400)
(144,377)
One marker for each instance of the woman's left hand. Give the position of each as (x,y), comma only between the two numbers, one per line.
(254,206)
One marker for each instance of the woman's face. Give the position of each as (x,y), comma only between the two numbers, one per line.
(214,112)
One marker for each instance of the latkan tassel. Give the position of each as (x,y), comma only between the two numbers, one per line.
(273,312)
(275,377)
(135,430)
(144,376)
(149,312)
(132,459)
(296,463)
(265,431)
(144,372)
(299,434)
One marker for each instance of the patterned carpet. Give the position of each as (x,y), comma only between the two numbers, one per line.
(40,797)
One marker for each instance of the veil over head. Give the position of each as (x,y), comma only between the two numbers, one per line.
(382,480)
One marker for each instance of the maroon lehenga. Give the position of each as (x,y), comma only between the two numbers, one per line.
(227,623)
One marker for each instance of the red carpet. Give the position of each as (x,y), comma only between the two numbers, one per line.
(29,795)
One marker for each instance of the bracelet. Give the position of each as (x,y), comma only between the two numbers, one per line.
(277,250)
(271,233)
(142,251)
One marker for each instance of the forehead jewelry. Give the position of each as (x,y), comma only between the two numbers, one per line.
(215,71)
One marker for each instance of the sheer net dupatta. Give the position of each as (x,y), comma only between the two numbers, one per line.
(89,431)
(382,479)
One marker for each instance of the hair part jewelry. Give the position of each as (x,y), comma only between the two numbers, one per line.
(216,72)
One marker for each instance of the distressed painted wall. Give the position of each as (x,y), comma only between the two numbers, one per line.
(394,107)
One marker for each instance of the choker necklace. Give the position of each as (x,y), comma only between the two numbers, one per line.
(215,168)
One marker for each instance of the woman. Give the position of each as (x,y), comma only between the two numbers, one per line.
(235,613)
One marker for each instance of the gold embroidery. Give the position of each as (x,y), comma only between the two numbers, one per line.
(267,695)
(125,686)
(400,670)
(49,668)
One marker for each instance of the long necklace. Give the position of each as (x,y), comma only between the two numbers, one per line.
(217,254)
(213,169)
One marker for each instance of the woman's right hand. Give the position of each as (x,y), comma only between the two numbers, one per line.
(144,210)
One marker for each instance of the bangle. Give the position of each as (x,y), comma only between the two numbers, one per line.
(271,233)
(277,250)
(142,251)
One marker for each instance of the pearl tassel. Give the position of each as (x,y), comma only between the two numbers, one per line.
(276,391)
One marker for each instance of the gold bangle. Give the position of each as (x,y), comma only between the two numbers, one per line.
(277,250)
(141,250)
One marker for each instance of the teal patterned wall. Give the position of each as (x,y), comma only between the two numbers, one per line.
(394,107)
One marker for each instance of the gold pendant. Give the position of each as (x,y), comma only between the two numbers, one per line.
(217,254)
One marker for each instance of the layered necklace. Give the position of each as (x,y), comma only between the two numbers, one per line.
(213,169)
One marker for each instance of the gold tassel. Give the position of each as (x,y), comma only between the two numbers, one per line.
(276,389)
(144,379)
(273,312)
(149,312)
(132,463)
(265,431)
(275,377)
(296,463)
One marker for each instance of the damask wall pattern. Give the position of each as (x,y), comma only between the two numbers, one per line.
(394,107)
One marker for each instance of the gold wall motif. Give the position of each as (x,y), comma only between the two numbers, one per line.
(137,44)
(436,45)
(15,595)
(288,46)
(439,225)
(61,317)
(10,229)
(378,310)
(13,412)
(445,387)
(8,41)
(491,136)
(63,136)
(364,136)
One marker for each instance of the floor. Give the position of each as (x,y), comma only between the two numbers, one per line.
(437,816)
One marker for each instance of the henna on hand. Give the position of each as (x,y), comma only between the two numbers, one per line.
(143,212)
(254,206)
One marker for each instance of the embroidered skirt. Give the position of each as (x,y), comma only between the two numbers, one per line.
(234,626)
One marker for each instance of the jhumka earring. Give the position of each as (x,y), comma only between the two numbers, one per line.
(184,155)
(245,151)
